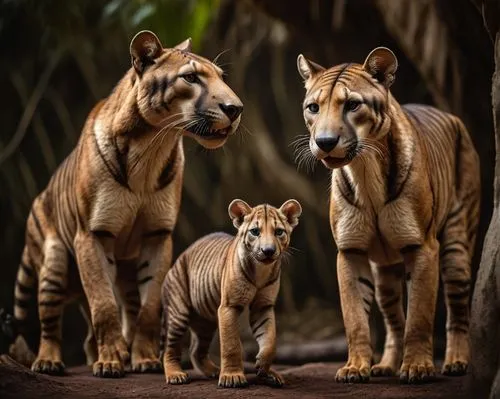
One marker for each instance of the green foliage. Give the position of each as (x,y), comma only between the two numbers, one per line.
(172,20)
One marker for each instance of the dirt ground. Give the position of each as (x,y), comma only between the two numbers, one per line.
(313,380)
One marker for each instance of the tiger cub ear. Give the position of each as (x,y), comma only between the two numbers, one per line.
(144,48)
(292,210)
(237,210)
(186,45)
(382,64)
(307,68)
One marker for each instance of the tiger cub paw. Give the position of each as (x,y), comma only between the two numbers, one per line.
(233,380)
(177,378)
(46,366)
(353,374)
(381,370)
(455,368)
(270,378)
(417,372)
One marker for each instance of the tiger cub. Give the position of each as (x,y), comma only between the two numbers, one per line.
(405,197)
(215,279)
(101,231)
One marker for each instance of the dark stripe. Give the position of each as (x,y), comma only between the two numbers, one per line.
(144,280)
(353,251)
(50,320)
(24,289)
(56,284)
(121,159)
(143,265)
(115,174)
(55,291)
(102,234)
(271,282)
(366,282)
(159,232)
(393,170)
(458,283)
(37,223)
(22,303)
(410,248)
(448,251)
(257,328)
(367,302)
(51,303)
(50,337)
(391,302)
(458,296)
(110,261)
(27,269)
(169,170)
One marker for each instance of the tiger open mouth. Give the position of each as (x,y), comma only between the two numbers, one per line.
(202,129)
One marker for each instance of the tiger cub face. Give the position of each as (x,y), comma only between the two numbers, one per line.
(180,90)
(346,106)
(264,231)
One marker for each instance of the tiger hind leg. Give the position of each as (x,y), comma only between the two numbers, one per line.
(51,299)
(456,277)
(389,296)
(202,333)
(177,317)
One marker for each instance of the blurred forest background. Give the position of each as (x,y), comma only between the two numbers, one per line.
(59,57)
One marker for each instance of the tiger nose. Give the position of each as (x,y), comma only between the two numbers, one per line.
(268,250)
(232,111)
(327,143)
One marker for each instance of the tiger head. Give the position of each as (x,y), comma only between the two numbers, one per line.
(264,231)
(346,107)
(178,90)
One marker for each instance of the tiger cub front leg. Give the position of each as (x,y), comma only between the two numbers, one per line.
(96,280)
(263,324)
(356,296)
(418,362)
(152,268)
(231,374)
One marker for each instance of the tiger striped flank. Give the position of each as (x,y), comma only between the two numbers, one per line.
(213,281)
(404,201)
(101,231)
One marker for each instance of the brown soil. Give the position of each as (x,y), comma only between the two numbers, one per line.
(314,380)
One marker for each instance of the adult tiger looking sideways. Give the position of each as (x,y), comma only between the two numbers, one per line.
(104,222)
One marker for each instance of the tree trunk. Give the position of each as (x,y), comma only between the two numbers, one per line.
(485,317)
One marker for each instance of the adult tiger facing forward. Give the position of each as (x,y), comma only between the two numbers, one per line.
(113,203)
(405,194)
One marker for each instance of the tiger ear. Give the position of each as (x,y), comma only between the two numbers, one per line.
(307,68)
(292,210)
(186,45)
(382,64)
(144,48)
(237,210)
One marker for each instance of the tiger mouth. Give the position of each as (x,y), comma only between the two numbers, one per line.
(333,163)
(203,131)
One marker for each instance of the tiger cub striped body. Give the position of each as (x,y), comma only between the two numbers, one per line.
(102,229)
(405,197)
(215,279)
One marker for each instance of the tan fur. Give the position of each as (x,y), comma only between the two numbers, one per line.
(215,279)
(103,226)
(405,197)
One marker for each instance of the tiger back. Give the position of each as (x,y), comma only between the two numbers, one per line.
(214,280)
(404,201)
